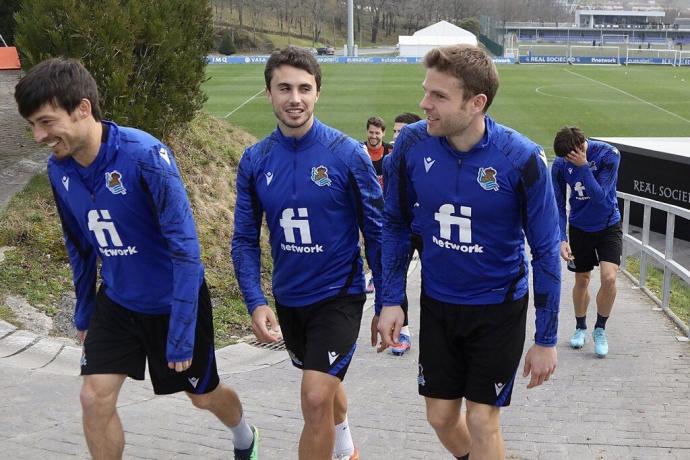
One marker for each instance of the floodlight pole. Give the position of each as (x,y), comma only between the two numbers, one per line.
(350,28)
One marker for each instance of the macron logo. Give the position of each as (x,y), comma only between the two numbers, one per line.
(269,178)
(65,182)
(332,356)
(428,163)
(163,152)
(194,381)
(499,388)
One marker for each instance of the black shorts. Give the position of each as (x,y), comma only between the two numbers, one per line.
(120,341)
(470,351)
(322,336)
(589,248)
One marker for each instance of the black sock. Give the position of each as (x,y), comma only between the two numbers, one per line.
(601,321)
(464,457)
(581,322)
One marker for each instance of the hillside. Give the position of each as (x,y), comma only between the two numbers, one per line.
(35,267)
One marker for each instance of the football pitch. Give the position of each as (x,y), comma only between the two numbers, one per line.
(606,101)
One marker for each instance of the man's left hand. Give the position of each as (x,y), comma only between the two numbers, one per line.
(180,366)
(541,363)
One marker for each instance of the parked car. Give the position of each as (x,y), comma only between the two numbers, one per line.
(325,50)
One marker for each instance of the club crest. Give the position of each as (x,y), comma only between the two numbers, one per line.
(319,175)
(486,177)
(113,180)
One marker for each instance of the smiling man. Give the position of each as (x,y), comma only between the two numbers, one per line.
(121,200)
(318,189)
(473,189)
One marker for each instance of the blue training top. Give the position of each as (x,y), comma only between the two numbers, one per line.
(129,208)
(317,192)
(473,212)
(593,203)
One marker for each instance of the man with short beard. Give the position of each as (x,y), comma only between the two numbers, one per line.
(308,179)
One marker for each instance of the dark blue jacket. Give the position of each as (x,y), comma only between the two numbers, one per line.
(473,210)
(130,210)
(317,193)
(593,203)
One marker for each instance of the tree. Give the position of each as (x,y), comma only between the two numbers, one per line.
(470,25)
(148,57)
(227,44)
(7,24)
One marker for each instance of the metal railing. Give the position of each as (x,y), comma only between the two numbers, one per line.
(663,260)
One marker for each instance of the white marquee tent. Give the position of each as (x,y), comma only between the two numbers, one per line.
(440,34)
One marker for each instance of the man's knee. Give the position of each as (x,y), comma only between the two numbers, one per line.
(316,399)
(483,421)
(204,402)
(442,420)
(97,397)
(608,279)
(582,279)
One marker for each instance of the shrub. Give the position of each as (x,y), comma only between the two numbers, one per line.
(147,56)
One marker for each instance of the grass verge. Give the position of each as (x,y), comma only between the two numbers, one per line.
(207,152)
(680,291)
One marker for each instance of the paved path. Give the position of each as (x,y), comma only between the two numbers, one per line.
(20,157)
(635,404)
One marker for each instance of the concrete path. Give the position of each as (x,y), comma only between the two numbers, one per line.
(20,157)
(635,404)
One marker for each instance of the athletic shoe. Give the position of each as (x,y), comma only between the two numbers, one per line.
(253,452)
(353,456)
(370,286)
(579,338)
(601,344)
(405,344)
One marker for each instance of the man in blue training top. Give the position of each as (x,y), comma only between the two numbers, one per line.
(317,188)
(473,189)
(121,200)
(590,169)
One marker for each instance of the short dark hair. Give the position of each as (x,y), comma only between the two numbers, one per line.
(470,65)
(407,118)
(294,57)
(567,139)
(61,82)
(376,121)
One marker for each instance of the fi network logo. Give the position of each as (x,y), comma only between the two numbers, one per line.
(290,224)
(447,221)
(101,224)
(580,189)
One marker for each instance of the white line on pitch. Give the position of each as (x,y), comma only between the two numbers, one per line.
(629,95)
(244,103)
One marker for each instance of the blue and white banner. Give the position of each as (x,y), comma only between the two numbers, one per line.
(334,60)
(568,59)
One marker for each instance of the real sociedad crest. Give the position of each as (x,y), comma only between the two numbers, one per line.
(486,177)
(319,175)
(113,180)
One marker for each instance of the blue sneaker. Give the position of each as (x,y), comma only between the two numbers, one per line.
(253,452)
(405,344)
(601,344)
(579,338)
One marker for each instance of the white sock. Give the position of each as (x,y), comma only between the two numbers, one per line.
(405,330)
(242,434)
(343,440)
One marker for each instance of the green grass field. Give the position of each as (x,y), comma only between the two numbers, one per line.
(534,99)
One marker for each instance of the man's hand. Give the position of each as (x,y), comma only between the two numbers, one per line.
(566,252)
(390,323)
(81,336)
(578,157)
(541,363)
(265,325)
(180,366)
